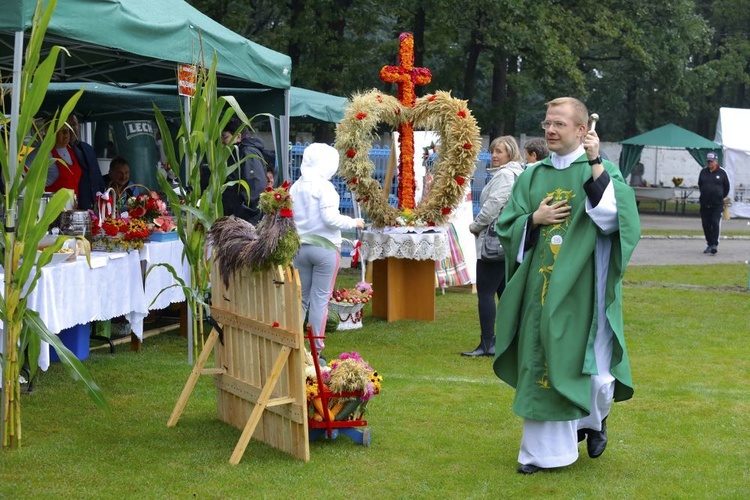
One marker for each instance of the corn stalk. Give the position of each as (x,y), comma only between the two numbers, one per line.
(23,230)
(197,143)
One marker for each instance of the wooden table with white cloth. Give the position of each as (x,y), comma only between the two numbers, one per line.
(403,270)
(72,293)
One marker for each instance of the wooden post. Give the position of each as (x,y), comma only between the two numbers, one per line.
(192,380)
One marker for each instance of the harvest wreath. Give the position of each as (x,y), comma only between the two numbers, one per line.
(457,152)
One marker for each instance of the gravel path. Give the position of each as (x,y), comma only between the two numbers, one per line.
(683,249)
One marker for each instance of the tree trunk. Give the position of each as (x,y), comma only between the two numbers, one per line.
(630,128)
(473,50)
(420,19)
(499,92)
(510,110)
(294,48)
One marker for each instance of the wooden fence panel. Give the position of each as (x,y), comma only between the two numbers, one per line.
(260,313)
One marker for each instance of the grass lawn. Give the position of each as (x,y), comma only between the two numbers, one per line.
(442,427)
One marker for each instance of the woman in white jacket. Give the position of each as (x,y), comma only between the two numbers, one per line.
(505,168)
(316,211)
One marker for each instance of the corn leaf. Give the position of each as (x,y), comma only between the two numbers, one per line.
(72,365)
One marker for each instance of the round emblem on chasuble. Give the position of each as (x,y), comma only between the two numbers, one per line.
(457,152)
(555,244)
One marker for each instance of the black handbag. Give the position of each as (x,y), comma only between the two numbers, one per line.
(492,250)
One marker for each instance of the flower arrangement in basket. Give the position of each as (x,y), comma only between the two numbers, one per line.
(348,304)
(128,230)
(150,208)
(349,381)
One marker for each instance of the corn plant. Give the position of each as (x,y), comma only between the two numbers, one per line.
(23,229)
(198,145)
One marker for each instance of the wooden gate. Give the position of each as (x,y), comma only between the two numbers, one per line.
(259,369)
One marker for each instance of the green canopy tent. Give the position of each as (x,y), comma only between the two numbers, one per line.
(141,42)
(102,101)
(668,136)
(317,105)
(138,41)
(106,102)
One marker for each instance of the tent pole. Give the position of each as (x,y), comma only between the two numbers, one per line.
(10,212)
(275,139)
(284,128)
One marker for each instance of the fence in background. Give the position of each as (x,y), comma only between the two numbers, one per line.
(379,156)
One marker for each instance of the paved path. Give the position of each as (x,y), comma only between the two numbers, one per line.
(683,249)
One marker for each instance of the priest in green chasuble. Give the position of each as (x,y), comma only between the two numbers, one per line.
(568,232)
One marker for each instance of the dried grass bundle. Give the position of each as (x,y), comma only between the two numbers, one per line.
(230,236)
(274,242)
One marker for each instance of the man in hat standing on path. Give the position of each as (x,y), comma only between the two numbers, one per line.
(714,187)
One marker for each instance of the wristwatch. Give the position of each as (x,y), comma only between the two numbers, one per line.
(595,161)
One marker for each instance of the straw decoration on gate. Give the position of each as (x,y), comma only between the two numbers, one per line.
(274,242)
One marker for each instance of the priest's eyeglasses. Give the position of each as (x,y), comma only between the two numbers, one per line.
(546,125)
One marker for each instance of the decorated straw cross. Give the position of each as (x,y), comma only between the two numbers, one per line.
(406,76)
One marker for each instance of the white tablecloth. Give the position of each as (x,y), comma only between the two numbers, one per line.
(426,246)
(159,278)
(70,293)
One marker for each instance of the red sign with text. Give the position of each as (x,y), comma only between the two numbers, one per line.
(186,77)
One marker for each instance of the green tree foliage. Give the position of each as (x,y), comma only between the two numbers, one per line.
(639,64)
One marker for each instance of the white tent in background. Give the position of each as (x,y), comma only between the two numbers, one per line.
(732,133)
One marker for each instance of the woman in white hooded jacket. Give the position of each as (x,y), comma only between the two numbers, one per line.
(505,168)
(316,211)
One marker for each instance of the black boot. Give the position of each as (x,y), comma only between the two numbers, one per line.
(486,347)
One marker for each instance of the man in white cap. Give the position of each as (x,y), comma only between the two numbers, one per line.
(714,187)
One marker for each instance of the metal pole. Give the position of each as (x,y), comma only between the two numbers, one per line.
(275,139)
(10,210)
(284,132)
(186,115)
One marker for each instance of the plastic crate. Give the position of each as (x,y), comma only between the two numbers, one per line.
(158,236)
(76,339)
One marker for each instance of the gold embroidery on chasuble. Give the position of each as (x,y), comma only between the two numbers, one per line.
(552,239)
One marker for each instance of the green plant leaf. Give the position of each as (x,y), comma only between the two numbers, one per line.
(74,367)
(318,241)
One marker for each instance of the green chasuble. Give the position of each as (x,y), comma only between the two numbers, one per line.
(547,315)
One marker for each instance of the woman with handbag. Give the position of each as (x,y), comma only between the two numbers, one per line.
(504,169)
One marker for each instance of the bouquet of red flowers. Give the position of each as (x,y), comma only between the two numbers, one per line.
(147,207)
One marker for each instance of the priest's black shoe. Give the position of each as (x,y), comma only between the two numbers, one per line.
(528,469)
(596,441)
(582,434)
